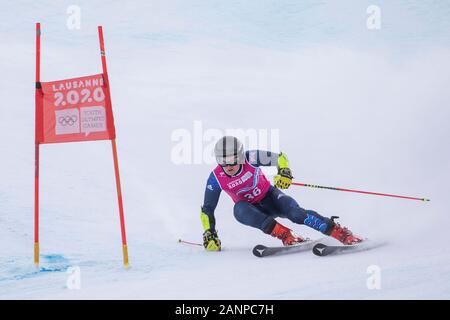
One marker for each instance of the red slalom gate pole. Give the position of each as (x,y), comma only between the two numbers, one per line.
(114,151)
(358,191)
(36,147)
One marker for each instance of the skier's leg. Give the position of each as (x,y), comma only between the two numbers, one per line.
(256,216)
(284,206)
(250,215)
(289,208)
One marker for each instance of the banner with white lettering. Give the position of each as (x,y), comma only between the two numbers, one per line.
(77,109)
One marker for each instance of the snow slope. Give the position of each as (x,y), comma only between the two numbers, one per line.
(355,108)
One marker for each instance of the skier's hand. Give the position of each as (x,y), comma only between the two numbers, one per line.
(283,179)
(211,241)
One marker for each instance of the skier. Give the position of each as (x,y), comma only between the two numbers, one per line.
(257,202)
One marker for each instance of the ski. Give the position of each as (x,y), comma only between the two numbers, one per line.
(321,249)
(262,251)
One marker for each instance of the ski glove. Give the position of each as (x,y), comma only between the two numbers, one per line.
(284,177)
(211,241)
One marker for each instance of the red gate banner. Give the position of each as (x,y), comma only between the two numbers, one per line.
(76,109)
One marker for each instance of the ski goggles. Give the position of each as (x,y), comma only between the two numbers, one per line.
(228,161)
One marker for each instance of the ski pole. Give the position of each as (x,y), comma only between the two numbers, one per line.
(191,243)
(357,191)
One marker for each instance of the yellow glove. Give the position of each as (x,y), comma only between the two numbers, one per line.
(211,241)
(284,177)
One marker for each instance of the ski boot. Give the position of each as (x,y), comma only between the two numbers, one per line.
(286,235)
(343,234)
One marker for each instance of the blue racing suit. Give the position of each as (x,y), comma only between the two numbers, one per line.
(275,204)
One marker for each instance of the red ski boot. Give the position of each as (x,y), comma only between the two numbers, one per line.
(286,235)
(344,235)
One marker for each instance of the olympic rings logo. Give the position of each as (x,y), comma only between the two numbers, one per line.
(67,120)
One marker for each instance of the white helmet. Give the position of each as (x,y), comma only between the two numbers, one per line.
(229,150)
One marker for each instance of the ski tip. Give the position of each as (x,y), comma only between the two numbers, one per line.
(258,250)
(319,249)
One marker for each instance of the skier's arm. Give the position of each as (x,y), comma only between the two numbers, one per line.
(212,194)
(258,158)
(211,241)
(283,179)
